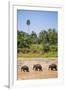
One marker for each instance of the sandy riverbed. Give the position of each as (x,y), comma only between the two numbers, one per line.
(45,74)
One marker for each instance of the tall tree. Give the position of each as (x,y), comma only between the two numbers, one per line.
(52,34)
(34,37)
(28,23)
(43,37)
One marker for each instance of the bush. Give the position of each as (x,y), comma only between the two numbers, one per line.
(53,48)
(46,48)
(36,48)
(23,50)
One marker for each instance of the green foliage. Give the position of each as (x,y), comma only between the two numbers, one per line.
(36,48)
(33,37)
(44,44)
(46,48)
(23,50)
(53,36)
(53,48)
(43,37)
(23,40)
(38,55)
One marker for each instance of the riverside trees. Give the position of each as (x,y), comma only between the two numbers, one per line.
(44,42)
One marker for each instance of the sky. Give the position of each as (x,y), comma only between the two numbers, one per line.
(39,20)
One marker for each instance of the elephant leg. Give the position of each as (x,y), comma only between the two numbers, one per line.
(27,70)
(56,69)
(40,69)
(51,68)
(34,69)
(23,70)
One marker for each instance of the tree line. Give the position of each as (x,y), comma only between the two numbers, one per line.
(48,39)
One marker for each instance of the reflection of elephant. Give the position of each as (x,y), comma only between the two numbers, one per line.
(37,67)
(25,68)
(53,67)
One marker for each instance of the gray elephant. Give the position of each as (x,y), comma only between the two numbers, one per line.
(25,68)
(53,67)
(37,67)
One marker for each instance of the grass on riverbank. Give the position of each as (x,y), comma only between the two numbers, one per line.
(33,55)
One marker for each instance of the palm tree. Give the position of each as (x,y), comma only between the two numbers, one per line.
(28,23)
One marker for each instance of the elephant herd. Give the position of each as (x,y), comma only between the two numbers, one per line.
(38,67)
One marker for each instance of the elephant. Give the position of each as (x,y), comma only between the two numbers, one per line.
(53,67)
(25,68)
(37,67)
